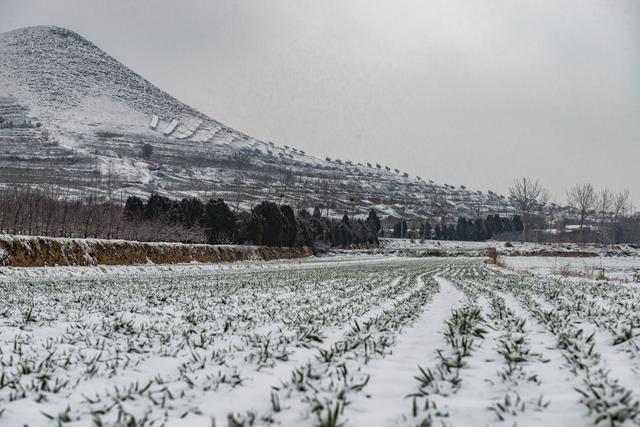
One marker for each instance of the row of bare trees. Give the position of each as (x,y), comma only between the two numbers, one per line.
(603,207)
(604,211)
(25,210)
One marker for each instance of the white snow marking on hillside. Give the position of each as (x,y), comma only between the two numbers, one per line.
(171,127)
(154,121)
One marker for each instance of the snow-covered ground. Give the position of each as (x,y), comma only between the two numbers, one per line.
(391,244)
(456,247)
(625,269)
(349,340)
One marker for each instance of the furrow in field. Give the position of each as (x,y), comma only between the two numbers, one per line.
(253,396)
(601,393)
(385,399)
(557,383)
(322,389)
(508,374)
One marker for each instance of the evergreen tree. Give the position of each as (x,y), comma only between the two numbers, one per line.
(427,230)
(250,228)
(219,222)
(157,207)
(133,209)
(305,231)
(517,224)
(490,226)
(462,231)
(290,226)
(272,223)
(190,211)
(451,232)
(373,222)
(400,230)
(342,233)
(444,232)
(242,224)
(477,230)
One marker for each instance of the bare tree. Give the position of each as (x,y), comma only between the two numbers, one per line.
(440,210)
(527,194)
(327,192)
(50,205)
(551,215)
(604,203)
(66,205)
(583,198)
(621,205)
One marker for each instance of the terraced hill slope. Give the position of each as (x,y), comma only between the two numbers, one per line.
(79,120)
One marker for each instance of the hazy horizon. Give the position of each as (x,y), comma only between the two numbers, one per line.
(466,94)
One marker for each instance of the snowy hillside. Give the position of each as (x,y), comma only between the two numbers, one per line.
(80,113)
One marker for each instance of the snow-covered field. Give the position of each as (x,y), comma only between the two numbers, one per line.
(351,341)
(623,269)
(456,247)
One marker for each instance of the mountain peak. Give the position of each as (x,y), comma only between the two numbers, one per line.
(39,32)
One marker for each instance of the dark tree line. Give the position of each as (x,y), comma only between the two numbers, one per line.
(484,229)
(59,213)
(266,224)
(465,229)
(62,213)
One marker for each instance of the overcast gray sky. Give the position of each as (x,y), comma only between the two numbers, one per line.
(464,92)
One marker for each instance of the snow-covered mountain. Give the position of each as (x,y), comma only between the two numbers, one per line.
(76,119)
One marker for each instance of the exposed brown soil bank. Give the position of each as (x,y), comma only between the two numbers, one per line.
(27,251)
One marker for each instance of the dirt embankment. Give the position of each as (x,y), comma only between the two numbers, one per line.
(26,251)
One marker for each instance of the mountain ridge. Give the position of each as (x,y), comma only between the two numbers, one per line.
(93,114)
